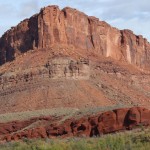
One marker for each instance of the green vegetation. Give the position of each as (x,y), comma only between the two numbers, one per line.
(129,140)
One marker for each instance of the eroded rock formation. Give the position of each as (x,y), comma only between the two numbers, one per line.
(68,68)
(70,27)
(93,125)
(56,68)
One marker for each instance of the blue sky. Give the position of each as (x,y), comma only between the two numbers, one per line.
(123,14)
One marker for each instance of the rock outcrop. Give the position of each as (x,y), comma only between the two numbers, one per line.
(61,67)
(93,125)
(56,68)
(74,29)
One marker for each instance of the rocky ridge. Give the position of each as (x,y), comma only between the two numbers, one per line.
(85,126)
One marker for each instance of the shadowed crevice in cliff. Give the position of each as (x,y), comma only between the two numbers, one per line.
(29,38)
(19,39)
(95,132)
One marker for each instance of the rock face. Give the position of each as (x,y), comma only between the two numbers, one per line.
(18,40)
(69,27)
(56,68)
(68,69)
(93,125)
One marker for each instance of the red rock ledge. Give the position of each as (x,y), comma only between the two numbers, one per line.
(94,125)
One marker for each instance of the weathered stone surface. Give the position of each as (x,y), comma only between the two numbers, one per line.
(144,116)
(6,128)
(67,68)
(134,116)
(55,68)
(94,125)
(19,39)
(107,122)
(121,117)
(70,27)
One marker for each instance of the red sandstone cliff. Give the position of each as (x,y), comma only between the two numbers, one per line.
(69,27)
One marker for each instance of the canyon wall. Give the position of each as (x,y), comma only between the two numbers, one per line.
(69,27)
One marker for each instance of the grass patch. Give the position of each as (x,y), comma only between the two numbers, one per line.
(36,113)
(67,112)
